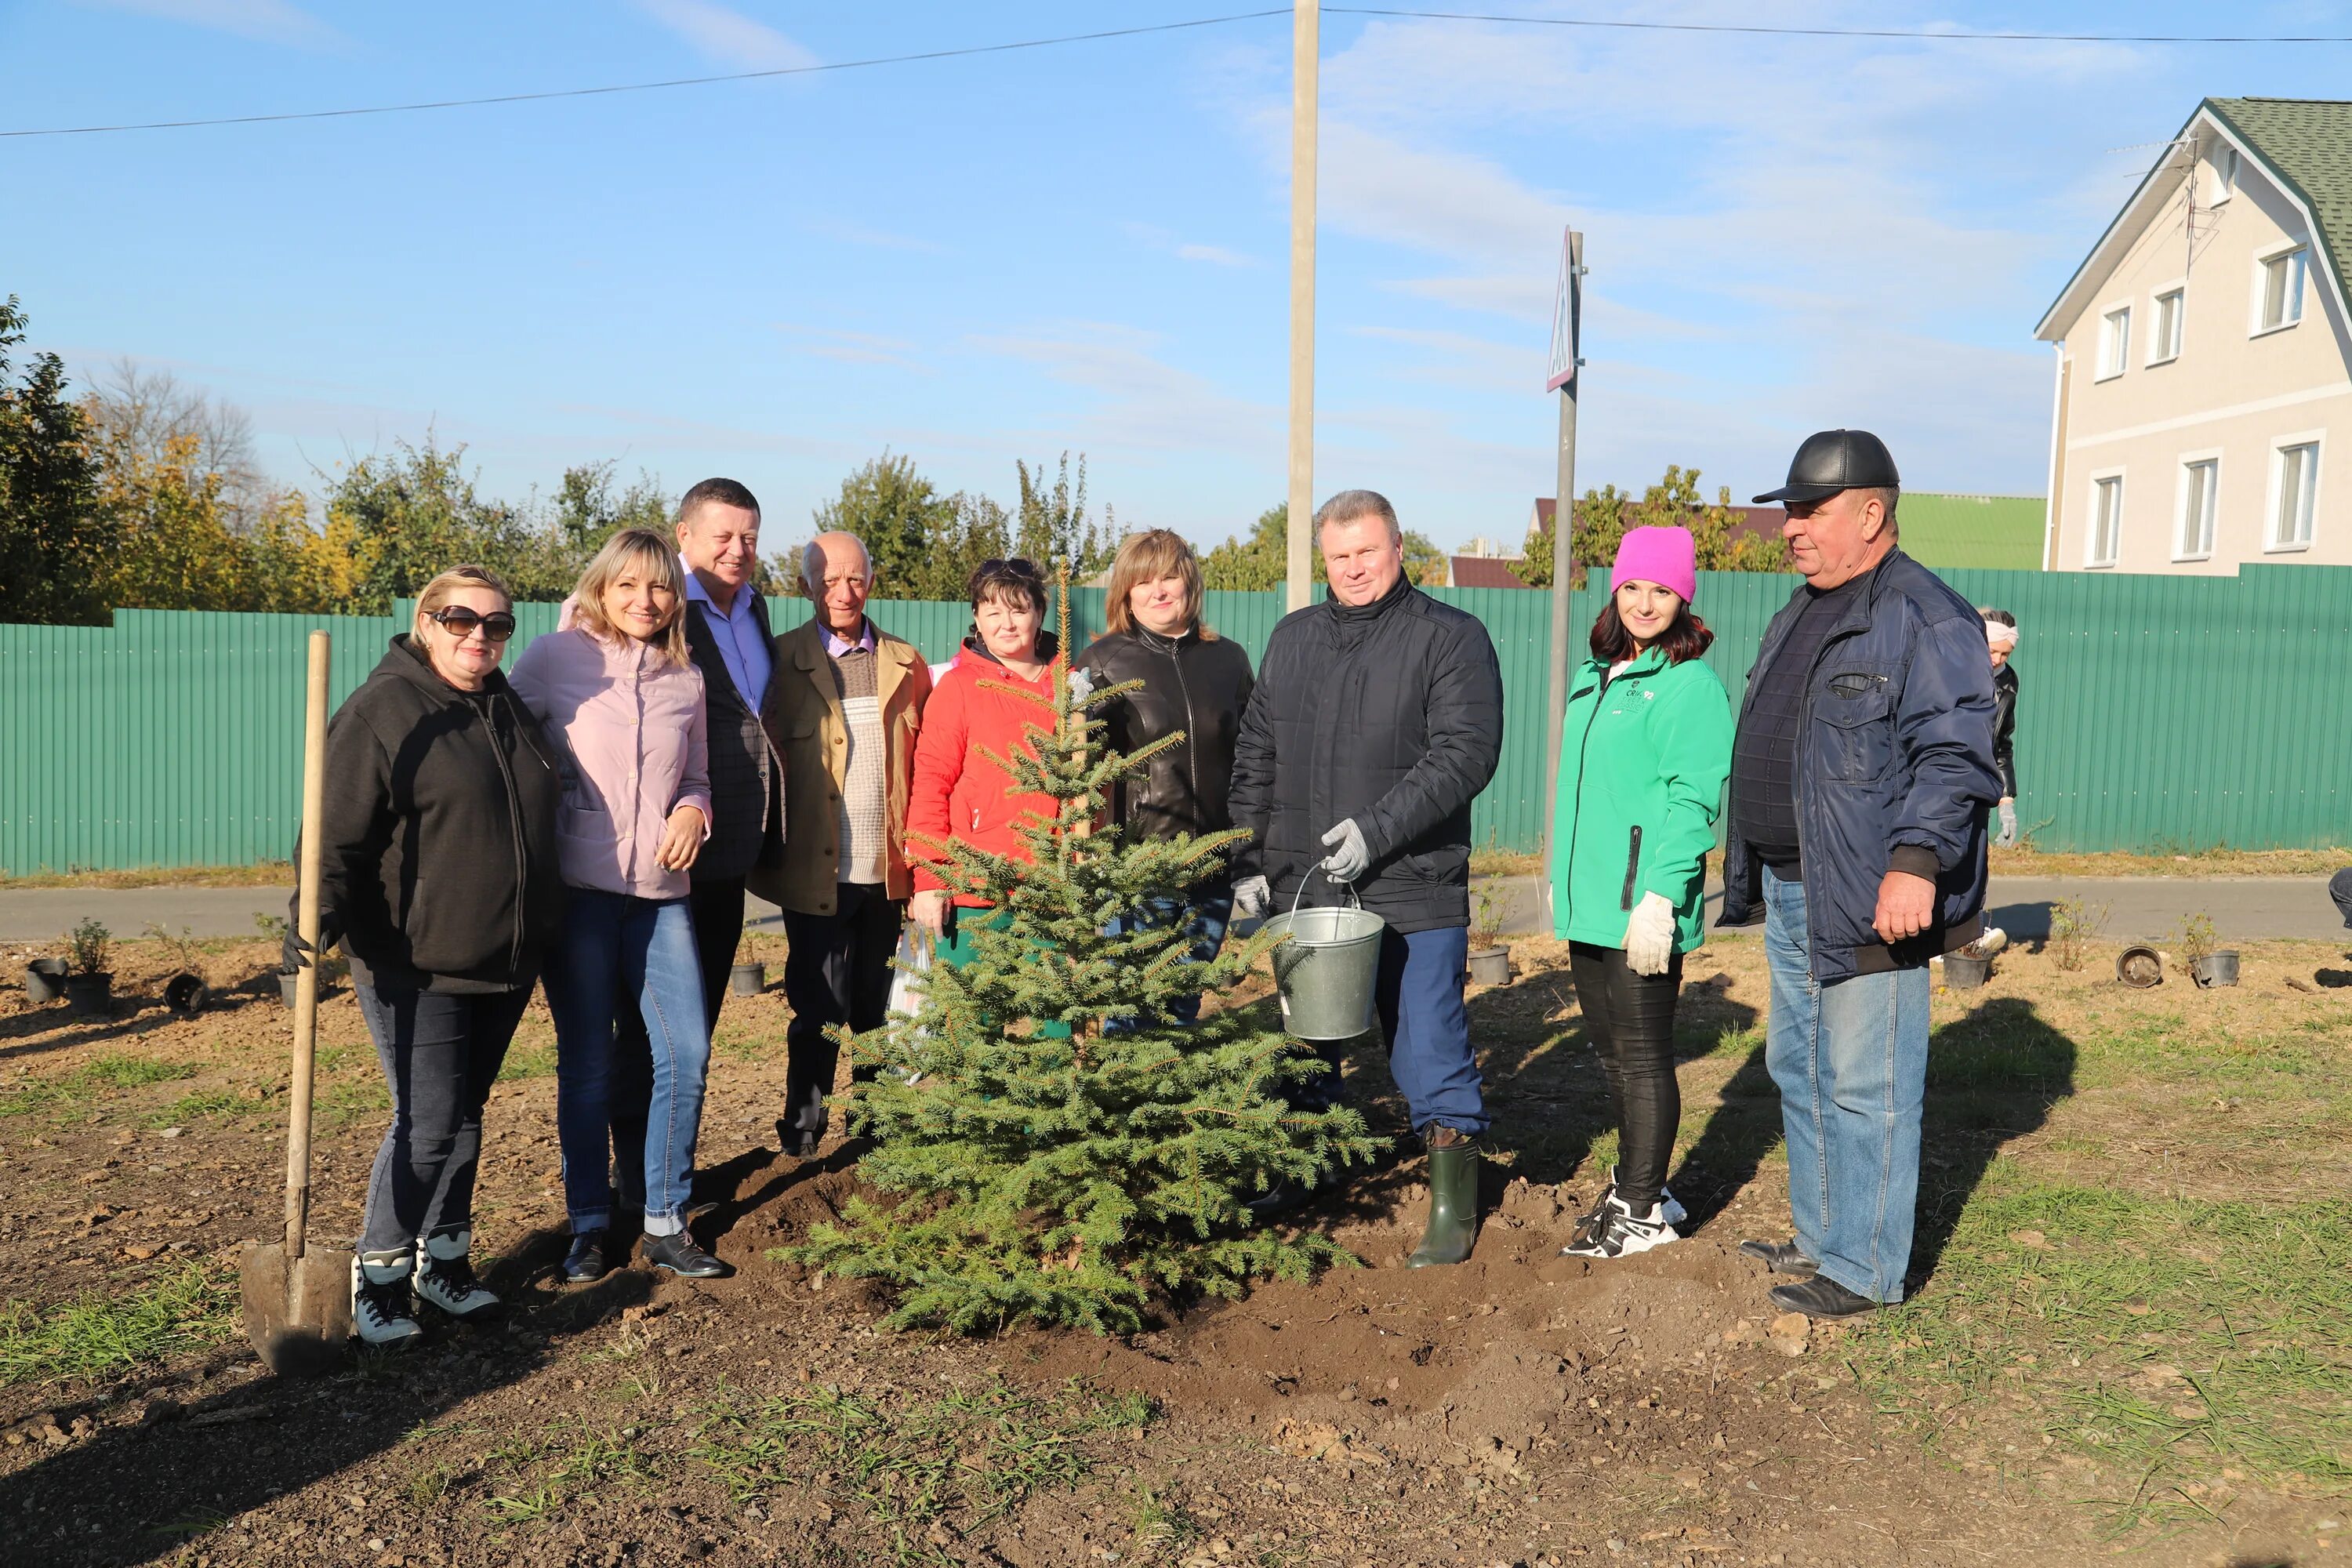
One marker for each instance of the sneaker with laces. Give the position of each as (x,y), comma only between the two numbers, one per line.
(382,1312)
(444,1275)
(1675,1214)
(1614,1230)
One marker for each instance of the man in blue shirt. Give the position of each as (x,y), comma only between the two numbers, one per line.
(727,628)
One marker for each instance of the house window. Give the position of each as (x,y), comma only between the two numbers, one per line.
(2165,344)
(2200,487)
(2115,341)
(2107,519)
(2225,175)
(2297,490)
(2279,289)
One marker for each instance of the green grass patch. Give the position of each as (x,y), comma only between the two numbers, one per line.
(343,1103)
(538,1474)
(203,1105)
(100,1075)
(103,1331)
(906,1462)
(528,1061)
(2167,1337)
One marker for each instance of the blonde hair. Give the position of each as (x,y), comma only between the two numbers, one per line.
(1146,558)
(444,588)
(656,559)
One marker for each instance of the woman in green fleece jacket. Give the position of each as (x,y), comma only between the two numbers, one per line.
(1643,755)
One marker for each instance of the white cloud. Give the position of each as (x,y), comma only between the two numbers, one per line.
(728,37)
(266,21)
(1139,402)
(854,348)
(850,233)
(1215,254)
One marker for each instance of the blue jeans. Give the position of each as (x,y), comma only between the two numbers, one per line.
(1418,994)
(1851,1062)
(1206,910)
(615,947)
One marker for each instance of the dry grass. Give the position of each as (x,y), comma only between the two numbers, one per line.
(266,874)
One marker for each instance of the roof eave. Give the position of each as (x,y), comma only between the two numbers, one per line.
(2157,181)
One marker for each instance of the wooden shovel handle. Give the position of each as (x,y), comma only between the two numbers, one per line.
(306,923)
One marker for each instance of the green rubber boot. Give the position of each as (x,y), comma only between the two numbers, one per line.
(1452,1201)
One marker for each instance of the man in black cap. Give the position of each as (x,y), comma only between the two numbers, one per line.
(1860,781)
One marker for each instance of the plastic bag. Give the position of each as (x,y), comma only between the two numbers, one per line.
(908,978)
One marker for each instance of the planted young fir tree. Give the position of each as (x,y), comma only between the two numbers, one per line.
(1064,1178)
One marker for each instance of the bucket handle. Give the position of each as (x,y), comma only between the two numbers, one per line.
(1353,902)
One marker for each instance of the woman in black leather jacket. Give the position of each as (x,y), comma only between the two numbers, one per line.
(1193,680)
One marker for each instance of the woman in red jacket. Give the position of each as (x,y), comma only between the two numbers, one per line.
(959,795)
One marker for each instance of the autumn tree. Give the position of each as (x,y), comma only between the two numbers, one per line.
(1603,517)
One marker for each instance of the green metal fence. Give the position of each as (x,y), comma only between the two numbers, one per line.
(2158,713)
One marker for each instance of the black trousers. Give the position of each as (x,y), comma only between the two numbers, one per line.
(1630,1019)
(717,908)
(440,1054)
(837,971)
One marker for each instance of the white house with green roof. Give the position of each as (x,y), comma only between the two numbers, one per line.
(2202,416)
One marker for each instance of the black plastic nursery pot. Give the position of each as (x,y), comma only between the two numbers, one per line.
(186,993)
(747,979)
(90,995)
(1491,966)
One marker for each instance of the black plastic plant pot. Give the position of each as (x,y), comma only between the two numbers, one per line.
(186,993)
(90,995)
(747,979)
(1966,973)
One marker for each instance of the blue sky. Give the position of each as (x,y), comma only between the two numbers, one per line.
(1083,247)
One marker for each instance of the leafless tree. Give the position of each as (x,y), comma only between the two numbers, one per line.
(141,412)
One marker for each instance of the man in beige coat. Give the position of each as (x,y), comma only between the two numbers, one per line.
(843,709)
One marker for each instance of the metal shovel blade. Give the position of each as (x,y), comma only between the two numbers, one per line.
(298,1310)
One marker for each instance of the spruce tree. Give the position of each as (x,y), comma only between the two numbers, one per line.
(1067,1179)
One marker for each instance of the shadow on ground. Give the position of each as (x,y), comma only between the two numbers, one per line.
(132,1493)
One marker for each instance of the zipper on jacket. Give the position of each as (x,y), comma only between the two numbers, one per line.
(514,822)
(1632,866)
(1191,728)
(1576,801)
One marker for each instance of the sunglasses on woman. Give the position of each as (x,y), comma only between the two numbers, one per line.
(461,622)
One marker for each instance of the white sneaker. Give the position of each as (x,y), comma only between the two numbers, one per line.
(382,1313)
(1675,1213)
(1616,1231)
(444,1275)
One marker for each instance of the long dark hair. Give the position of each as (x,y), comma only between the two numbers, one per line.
(1687,638)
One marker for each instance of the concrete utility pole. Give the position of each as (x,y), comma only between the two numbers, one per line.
(1563,529)
(1305,32)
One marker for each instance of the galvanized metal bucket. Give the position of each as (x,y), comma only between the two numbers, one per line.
(1325,972)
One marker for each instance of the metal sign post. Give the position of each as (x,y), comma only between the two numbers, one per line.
(1566,323)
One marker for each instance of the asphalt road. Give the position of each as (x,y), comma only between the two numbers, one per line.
(2244,908)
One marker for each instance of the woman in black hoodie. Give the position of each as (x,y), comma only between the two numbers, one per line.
(1194,681)
(438,876)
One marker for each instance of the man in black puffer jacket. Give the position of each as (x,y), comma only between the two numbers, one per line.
(1377,720)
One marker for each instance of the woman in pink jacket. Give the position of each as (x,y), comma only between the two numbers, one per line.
(617,688)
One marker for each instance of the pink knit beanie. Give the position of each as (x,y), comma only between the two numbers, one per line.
(1662,555)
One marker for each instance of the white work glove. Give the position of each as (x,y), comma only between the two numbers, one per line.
(1251,896)
(1650,935)
(1352,857)
(2008,823)
(1082,685)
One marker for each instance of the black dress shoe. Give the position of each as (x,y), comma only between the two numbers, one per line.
(1821,1296)
(677,1253)
(1780,1257)
(587,1260)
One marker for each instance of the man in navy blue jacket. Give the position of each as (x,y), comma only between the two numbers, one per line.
(1861,779)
